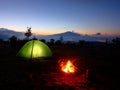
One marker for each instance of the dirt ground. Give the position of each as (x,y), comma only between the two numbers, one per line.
(45,74)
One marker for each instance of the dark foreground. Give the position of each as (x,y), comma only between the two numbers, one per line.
(45,74)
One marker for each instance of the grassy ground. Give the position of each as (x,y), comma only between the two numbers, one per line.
(45,74)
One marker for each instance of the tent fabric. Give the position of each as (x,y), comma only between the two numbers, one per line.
(34,49)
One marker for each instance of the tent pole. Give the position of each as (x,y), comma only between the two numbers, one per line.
(32,50)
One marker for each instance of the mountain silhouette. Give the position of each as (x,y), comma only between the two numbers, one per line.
(67,36)
(75,37)
(69,33)
(5,34)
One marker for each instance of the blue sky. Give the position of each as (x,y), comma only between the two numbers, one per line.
(56,16)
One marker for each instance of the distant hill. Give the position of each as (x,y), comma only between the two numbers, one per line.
(75,37)
(67,36)
(5,34)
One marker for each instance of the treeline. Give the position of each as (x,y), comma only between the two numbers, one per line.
(15,42)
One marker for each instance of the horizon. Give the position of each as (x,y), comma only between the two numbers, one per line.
(84,34)
(57,16)
(45,34)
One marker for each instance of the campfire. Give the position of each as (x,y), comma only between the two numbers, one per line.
(67,66)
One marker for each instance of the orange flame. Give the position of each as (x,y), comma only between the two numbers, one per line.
(67,67)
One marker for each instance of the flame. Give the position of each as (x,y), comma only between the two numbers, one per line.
(67,67)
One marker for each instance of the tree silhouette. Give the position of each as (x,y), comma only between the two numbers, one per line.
(58,42)
(43,40)
(52,41)
(13,40)
(61,38)
(82,43)
(28,33)
(116,40)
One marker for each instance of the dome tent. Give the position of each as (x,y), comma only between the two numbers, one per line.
(34,49)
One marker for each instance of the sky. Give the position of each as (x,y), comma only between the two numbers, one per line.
(57,16)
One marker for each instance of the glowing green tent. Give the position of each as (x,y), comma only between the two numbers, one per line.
(34,49)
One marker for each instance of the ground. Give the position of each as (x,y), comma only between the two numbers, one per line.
(45,73)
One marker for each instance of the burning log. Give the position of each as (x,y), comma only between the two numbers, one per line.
(67,66)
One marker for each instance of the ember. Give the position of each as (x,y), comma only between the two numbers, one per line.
(67,66)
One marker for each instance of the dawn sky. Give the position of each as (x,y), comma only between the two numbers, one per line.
(56,16)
